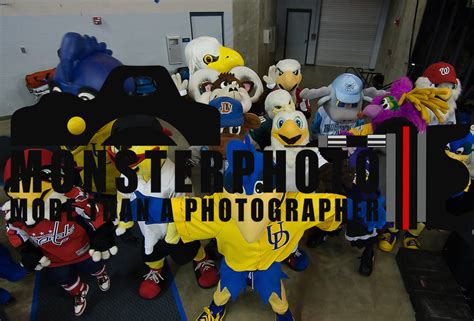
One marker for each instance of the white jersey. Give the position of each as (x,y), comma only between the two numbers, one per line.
(324,125)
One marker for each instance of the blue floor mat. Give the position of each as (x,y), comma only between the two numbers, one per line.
(121,302)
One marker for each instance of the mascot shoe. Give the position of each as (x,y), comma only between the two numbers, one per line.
(298,260)
(387,241)
(150,286)
(206,273)
(411,242)
(212,313)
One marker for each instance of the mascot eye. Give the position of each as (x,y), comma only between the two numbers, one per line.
(86,96)
(277,107)
(224,84)
(86,93)
(296,72)
(280,123)
(460,150)
(208,59)
(222,130)
(258,187)
(448,148)
(299,122)
(280,72)
(234,130)
(449,86)
(56,89)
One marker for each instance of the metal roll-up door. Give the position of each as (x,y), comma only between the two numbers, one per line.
(350,32)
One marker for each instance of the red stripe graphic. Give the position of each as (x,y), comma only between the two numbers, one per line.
(406,178)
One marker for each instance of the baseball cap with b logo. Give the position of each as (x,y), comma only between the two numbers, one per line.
(441,72)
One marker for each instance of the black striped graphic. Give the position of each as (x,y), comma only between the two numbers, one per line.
(355,141)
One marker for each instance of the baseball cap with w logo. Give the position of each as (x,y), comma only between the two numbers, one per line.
(441,72)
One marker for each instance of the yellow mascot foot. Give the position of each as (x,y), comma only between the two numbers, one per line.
(387,241)
(212,313)
(411,242)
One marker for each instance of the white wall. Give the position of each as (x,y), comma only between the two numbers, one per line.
(135,30)
(282,6)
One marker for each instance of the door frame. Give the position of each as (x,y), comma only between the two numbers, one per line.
(207,14)
(307,35)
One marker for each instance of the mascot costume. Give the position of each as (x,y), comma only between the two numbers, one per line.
(235,123)
(390,106)
(286,75)
(84,66)
(240,83)
(276,101)
(156,244)
(240,87)
(60,245)
(290,133)
(404,105)
(206,53)
(442,75)
(461,150)
(252,248)
(340,105)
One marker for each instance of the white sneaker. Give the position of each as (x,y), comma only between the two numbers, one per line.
(104,282)
(80,301)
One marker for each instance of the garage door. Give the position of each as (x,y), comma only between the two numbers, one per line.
(350,32)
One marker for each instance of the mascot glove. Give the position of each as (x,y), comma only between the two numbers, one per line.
(270,80)
(122,227)
(6,210)
(103,243)
(182,85)
(310,94)
(124,231)
(32,258)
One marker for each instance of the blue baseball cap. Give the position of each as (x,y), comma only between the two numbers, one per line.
(348,88)
(232,113)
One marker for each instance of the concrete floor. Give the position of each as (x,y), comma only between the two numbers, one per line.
(330,290)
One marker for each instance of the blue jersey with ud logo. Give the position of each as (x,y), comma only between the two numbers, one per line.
(274,240)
